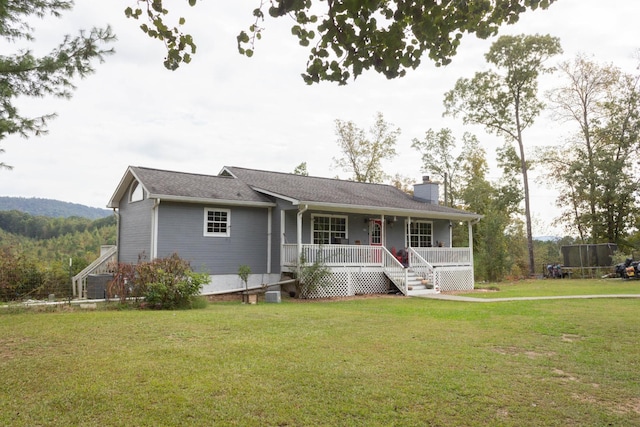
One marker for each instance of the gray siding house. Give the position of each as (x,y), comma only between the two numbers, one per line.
(373,236)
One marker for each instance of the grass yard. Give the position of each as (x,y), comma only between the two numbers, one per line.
(557,287)
(361,362)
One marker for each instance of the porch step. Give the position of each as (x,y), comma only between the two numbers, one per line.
(415,285)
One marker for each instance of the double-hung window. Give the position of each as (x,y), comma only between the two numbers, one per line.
(420,234)
(217,222)
(328,229)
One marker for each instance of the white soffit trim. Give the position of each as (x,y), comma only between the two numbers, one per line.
(208,200)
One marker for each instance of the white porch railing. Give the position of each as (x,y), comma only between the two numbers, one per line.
(444,256)
(446,268)
(364,255)
(334,255)
(99,266)
(396,272)
(421,266)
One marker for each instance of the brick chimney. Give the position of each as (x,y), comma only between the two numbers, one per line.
(428,191)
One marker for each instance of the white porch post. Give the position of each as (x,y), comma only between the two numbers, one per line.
(301,210)
(282,238)
(408,234)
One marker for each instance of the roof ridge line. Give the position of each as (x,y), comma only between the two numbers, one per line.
(310,176)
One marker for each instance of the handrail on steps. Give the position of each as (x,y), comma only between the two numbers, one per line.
(79,281)
(420,265)
(395,271)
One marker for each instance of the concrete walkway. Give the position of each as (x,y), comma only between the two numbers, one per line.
(449,297)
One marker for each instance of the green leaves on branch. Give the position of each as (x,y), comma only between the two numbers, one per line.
(179,46)
(389,37)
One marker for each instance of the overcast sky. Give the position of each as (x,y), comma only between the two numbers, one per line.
(226,109)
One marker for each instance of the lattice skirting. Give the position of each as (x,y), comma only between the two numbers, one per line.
(453,278)
(346,282)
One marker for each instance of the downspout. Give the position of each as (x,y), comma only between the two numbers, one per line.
(117,215)
(299,236)
(269,219)
(154,230)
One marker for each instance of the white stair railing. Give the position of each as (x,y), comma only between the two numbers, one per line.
(423,268)
(395,271)
(99,266)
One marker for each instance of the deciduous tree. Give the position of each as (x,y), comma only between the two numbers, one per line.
(595,170)
(505,101)
(362,155)
(301,169)
(389,36)
(437,150)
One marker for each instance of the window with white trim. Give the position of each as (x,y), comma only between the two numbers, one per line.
(420,234)
(329,229)
(217,222)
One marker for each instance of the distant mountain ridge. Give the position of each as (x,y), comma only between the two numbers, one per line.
(51,208)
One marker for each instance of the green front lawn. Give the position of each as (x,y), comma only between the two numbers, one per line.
(362,362)
(556,287)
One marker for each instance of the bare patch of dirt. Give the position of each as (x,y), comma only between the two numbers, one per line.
(624,407)
(584,398)
(516,351)
(9,347)
(571,337)
(628,406)
(502,413)
(563,376)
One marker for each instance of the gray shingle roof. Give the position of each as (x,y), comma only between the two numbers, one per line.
(316,190)
(194,186)
(236,185)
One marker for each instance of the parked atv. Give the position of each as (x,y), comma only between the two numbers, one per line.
(629,269)
(555,271)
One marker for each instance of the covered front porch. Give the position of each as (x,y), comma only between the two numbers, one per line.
(362,246)
(365,269)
